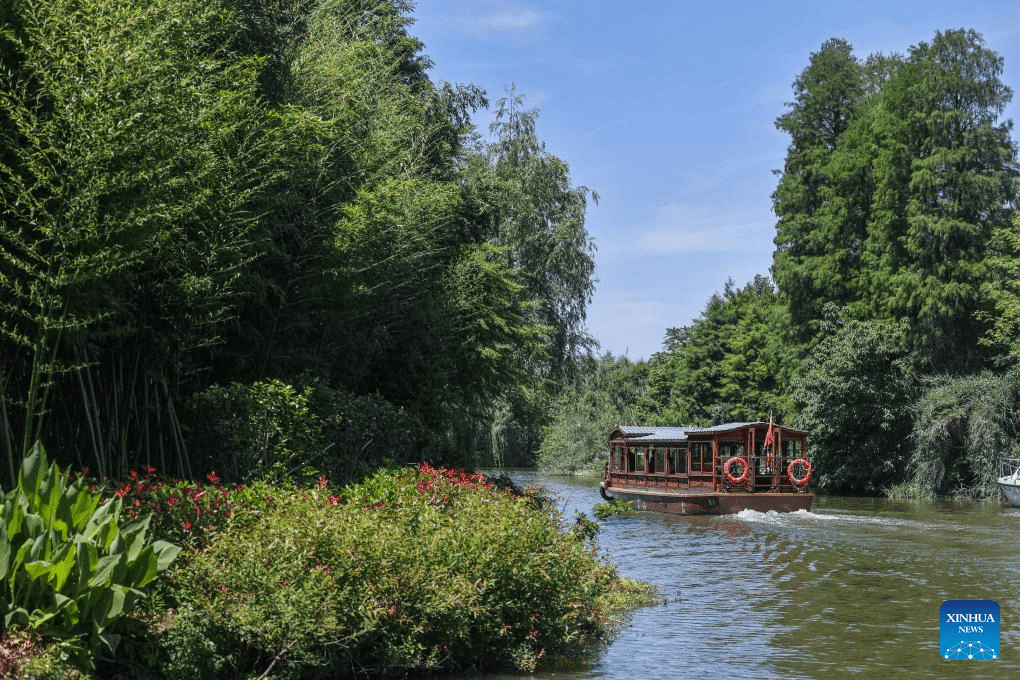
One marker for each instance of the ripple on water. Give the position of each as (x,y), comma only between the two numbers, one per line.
(853,586)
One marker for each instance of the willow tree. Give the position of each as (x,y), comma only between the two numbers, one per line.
(520,199)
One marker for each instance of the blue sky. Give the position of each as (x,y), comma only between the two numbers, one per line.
(667,110)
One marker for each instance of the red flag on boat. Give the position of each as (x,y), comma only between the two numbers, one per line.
(770,438)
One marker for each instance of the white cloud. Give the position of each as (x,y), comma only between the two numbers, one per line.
(513,19)
(684,229)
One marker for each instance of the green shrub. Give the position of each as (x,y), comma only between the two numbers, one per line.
(248,431)
(271,430)
(410,570)
(68,567)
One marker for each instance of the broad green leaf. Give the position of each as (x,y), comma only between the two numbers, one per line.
(5,557)
(16,617)
(167,553)
(15,518)
(34,525)
(32,470)
(109,607)
(105,570)
(83,505)
(87,560)
(142,570)
(38,569)
(63,564)
(69,606)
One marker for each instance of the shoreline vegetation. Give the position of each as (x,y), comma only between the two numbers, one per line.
(412,570)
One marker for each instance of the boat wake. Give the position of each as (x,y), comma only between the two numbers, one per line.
(773,517)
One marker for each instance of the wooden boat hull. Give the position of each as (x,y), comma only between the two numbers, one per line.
(709,503)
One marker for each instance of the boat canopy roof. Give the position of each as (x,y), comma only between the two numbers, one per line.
(657,433)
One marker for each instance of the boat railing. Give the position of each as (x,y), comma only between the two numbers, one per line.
(1009,467)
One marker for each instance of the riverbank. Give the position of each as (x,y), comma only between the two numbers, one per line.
(410,571)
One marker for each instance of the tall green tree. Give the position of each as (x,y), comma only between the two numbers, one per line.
(520,199)
(945,182)
(817,202)
(523,201)
(733,363)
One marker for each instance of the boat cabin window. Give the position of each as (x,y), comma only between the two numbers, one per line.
(631,460)
(657,461)
(677,461)
(793,449)
(701,457)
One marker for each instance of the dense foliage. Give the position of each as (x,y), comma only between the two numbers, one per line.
(217,195)
(412,570)
(855,393)
(602,396)
(731,364)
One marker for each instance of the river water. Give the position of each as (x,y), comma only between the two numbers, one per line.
(851,589)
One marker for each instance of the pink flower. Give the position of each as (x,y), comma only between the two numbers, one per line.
(322,481)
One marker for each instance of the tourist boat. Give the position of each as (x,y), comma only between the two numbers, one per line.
(708,470)
(1009,479)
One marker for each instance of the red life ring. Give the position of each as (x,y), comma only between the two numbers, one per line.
(743,475)
(805,465)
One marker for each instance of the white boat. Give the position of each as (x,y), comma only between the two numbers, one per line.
(1009,479)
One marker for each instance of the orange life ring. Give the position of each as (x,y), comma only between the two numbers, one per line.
(806,465)
(743,475)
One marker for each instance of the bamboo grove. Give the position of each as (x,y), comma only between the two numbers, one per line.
(221,215)
(889,327)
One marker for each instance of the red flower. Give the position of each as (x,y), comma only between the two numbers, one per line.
(213,477)
(123,491)
(322,481)
(187,525)
(332,500)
